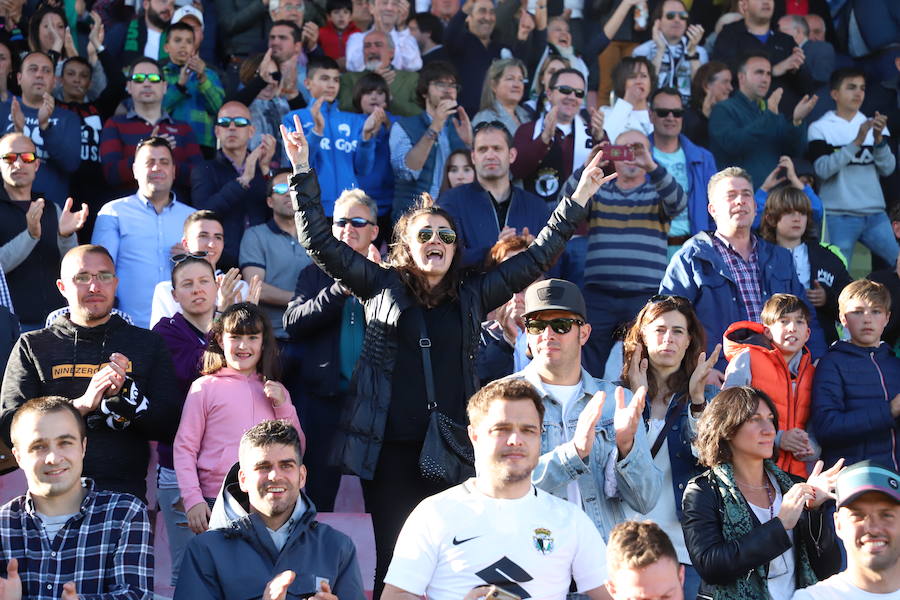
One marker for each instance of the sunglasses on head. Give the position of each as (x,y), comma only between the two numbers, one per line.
(177,258)
(677,13)
(25,157)
(665,112)
(142,77)
(280,188)
(668,298)
(357,222)
(447,235)
(490,125)
(565,90)
(561,325)
(227,121)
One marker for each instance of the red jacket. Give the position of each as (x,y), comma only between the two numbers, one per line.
(770,373)
(334,42)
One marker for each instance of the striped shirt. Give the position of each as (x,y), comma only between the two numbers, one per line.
(628,236)
(745,274)
(105,548)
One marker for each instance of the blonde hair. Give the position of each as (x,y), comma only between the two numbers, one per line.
(727,173)
(865,290)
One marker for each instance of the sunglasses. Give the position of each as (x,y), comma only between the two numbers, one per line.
(25,157)
(447,235)
(665,112)
(280,188)
(677,13)
(177,258)
(142,77)
(561,325)
(490,125)
(357,222)
(680,300)
(227,121)
(565,90)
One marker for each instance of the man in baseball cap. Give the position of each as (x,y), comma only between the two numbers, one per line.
(581,459)
(868,522)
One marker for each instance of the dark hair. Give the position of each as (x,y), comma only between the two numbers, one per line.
(402,260)
(742,64)
(666,91)
(333,5)
(36,53)
(368,82)
(894,212)
(782,201)
(838,76)
(276,173)
(79,60)
(721,419)
(679,380)
(445,180)
(493,126)
(271,432)
(242,318)
(296,32)
(502,389)
(140,60)
(705,76)
(154,141)
(626,68)
(780,305)
(430,24)
(657,13)
(433,71)
(202,215)
(319,63)
(248,68)
(179,26)
(46,405)
(12,85)
(34,28)
(636,545)
(190,260)
(567,71)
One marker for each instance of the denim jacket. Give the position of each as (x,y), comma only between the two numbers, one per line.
(604,482)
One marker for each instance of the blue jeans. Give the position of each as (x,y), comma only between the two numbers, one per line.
(691,582)
(873,231)
(608,313)
(172,509)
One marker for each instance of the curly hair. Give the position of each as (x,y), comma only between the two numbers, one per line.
(721,420)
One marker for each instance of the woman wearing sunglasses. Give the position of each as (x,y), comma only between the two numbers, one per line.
(420,309)
(663,351)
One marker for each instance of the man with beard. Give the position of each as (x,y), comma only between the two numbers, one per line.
(388,20)
(142,35)
(868,522)
(264,525)
(118,376)
(378,50)
(497,528)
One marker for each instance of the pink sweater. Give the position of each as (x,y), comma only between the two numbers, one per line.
(218,409)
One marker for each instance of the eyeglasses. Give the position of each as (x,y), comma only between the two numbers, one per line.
(490,125)
(561,325)
(227,121)
(357,222)
(177,258)
(665,112)
(565,90)
(87,278)
(446,85)
(447,235)
(677,13)
(25,157)
(142,77)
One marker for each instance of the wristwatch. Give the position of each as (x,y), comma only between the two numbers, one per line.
(431,134)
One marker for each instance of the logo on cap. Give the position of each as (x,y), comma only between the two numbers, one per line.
(547,294)
(893,483)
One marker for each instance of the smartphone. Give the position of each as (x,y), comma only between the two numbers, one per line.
(495,593)
(619,153)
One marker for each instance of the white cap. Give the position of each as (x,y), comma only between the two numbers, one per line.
(187,11)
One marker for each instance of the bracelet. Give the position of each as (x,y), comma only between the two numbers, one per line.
(694,56)
(431,134)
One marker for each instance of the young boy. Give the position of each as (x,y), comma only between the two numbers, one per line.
(773,357)
(856,391)
(333,36)
(341,144)
(849,152)
(194,92)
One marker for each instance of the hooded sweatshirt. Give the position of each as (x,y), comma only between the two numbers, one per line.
(218,409)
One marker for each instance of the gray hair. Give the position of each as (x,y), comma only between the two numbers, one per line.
(390,40)
(727,173)
(357,196)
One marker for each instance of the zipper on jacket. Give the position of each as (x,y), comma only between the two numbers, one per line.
(886,399)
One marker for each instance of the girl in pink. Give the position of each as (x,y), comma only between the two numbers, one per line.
(237,391)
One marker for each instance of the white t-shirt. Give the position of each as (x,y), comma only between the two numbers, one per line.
(838,587)
(781,581)
(151,48)
(531,546)
(566,395)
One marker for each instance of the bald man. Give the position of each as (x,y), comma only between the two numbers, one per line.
(118,376)
(239,197)
(33,235)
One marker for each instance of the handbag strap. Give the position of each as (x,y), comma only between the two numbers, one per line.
(673,416)
(425,347)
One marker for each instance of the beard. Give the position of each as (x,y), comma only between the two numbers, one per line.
(373,64)
(155,19)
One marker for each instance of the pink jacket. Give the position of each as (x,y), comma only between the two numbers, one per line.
(218,409)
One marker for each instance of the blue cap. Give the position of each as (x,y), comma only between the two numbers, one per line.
(864,477)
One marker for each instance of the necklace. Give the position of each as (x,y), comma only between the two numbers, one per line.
(770,494)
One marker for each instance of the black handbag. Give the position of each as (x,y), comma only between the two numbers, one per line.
(447,455)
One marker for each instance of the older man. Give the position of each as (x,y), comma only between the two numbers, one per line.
(386,18)
(119,377)
(378,51)
(819,55)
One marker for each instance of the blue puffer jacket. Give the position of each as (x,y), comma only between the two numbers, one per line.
(700,167)
(698,273)
(851,397)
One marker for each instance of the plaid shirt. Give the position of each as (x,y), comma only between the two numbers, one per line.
(105,548)
(745,274)
(5,296)
(197,104)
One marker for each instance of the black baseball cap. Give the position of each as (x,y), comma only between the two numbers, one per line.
(554,294)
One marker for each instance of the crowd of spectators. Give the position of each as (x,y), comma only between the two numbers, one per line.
(610,253)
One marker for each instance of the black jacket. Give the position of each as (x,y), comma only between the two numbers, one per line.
(385,296)
(826,268)
(721,562)
(891,280)
(41,364)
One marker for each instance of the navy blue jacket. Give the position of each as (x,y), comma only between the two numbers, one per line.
(701,166)
(473,212)
(698,273)
(851,411)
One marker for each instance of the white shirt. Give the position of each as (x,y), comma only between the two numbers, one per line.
(151,48)
(838,587)
(532,546)
(566,395)
(781,581)
(406,51)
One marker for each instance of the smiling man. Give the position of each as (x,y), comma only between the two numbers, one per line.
(263,525)
(64,512)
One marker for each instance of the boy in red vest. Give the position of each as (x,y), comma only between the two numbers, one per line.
(773,357)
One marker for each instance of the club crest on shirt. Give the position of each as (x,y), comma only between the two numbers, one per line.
(543,542)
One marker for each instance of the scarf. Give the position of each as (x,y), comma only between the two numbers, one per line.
(738,522)
(583,141)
